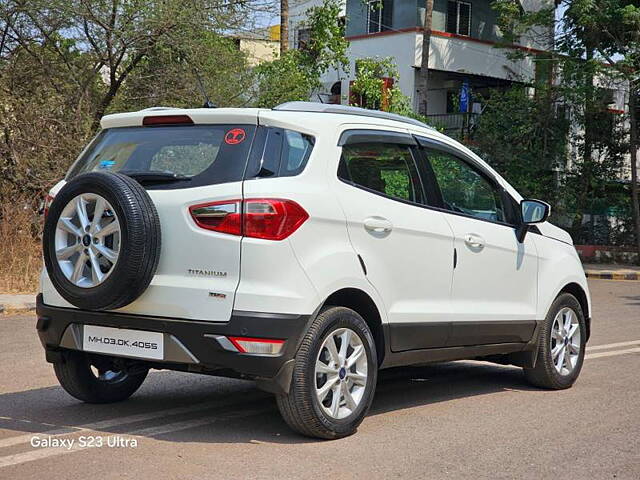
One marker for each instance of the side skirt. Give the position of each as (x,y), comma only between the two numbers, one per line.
(522,353)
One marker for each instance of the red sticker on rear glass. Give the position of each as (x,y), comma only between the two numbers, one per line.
(235,136)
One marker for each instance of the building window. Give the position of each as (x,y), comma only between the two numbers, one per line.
(379,15)
(303,35)
(459,18)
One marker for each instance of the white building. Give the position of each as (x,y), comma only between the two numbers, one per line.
(462,51)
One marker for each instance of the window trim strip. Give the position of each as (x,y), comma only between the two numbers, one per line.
(354,136)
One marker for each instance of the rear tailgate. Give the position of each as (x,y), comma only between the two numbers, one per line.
(199,269)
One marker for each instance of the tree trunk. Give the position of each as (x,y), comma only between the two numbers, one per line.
(423,73)
(284,26)
(587,153)
(633,153)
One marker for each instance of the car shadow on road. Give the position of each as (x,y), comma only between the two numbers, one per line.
(185,408)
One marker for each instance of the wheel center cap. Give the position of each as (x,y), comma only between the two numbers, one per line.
(342,373)
(86,240)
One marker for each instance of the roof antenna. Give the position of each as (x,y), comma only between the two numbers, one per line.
(207,102)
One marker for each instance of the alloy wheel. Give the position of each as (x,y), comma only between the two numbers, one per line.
(341,373)
(87,240)
(565,341)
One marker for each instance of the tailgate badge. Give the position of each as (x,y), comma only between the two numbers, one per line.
(206,273)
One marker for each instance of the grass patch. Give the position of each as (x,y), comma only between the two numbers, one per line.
(20,248)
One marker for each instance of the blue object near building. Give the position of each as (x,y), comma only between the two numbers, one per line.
(464,97)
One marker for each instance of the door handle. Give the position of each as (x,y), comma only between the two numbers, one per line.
(473,240)
(378,225)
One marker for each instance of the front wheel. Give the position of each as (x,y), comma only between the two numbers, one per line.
(334,376)
(562,345)
(97,379)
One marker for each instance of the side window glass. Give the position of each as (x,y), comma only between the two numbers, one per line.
(285,153)
(464,189)
(272,153)
(385,168)
(296,149)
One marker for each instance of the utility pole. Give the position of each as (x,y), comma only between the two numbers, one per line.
(284,26)
(423,73)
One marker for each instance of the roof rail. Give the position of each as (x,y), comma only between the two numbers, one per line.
(345,110)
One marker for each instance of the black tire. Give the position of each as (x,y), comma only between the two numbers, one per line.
(301,408)
(139,241)
(545,374)
(78,379)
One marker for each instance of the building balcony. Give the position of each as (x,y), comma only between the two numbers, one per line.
(454,124)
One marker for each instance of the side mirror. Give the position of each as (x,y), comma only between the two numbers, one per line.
(534,211)
(531,212)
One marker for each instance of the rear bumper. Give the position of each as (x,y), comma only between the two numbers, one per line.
(197,346)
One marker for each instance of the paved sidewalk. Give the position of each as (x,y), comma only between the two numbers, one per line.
(17,303)
(612,272)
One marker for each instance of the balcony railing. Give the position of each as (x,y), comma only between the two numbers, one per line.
(454,123)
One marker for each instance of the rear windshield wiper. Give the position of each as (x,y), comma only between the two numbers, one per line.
(154,176)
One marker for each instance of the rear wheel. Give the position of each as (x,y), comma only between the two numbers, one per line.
(97,379)
(334,376)
(561,347)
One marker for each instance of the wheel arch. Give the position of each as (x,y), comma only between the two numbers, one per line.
(577,291)
(360,301)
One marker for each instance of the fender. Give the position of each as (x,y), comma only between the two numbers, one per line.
(557,257)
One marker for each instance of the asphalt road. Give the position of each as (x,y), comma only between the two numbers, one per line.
(456,420)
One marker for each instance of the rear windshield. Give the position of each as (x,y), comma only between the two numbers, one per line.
(198,154)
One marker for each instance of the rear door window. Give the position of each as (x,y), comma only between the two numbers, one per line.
(202,154)
(383,168)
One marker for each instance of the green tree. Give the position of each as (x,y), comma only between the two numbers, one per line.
(296,74)
(369,91)
(519,138)
(111,36)
(573,79)
(172,73)
(64,63)
(614,27)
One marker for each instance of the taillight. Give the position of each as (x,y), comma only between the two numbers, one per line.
(223,217)
(272,218)
(266,218)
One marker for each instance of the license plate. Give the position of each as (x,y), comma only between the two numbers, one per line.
(121,341)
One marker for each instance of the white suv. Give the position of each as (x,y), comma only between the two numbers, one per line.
(303,247)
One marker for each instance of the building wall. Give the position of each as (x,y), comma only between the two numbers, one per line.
(474,55)
(401,47)
(461,55)
(259,51)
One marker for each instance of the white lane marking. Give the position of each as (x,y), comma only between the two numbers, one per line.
(115,422)
(613,345)
(611,354)
(39,454)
